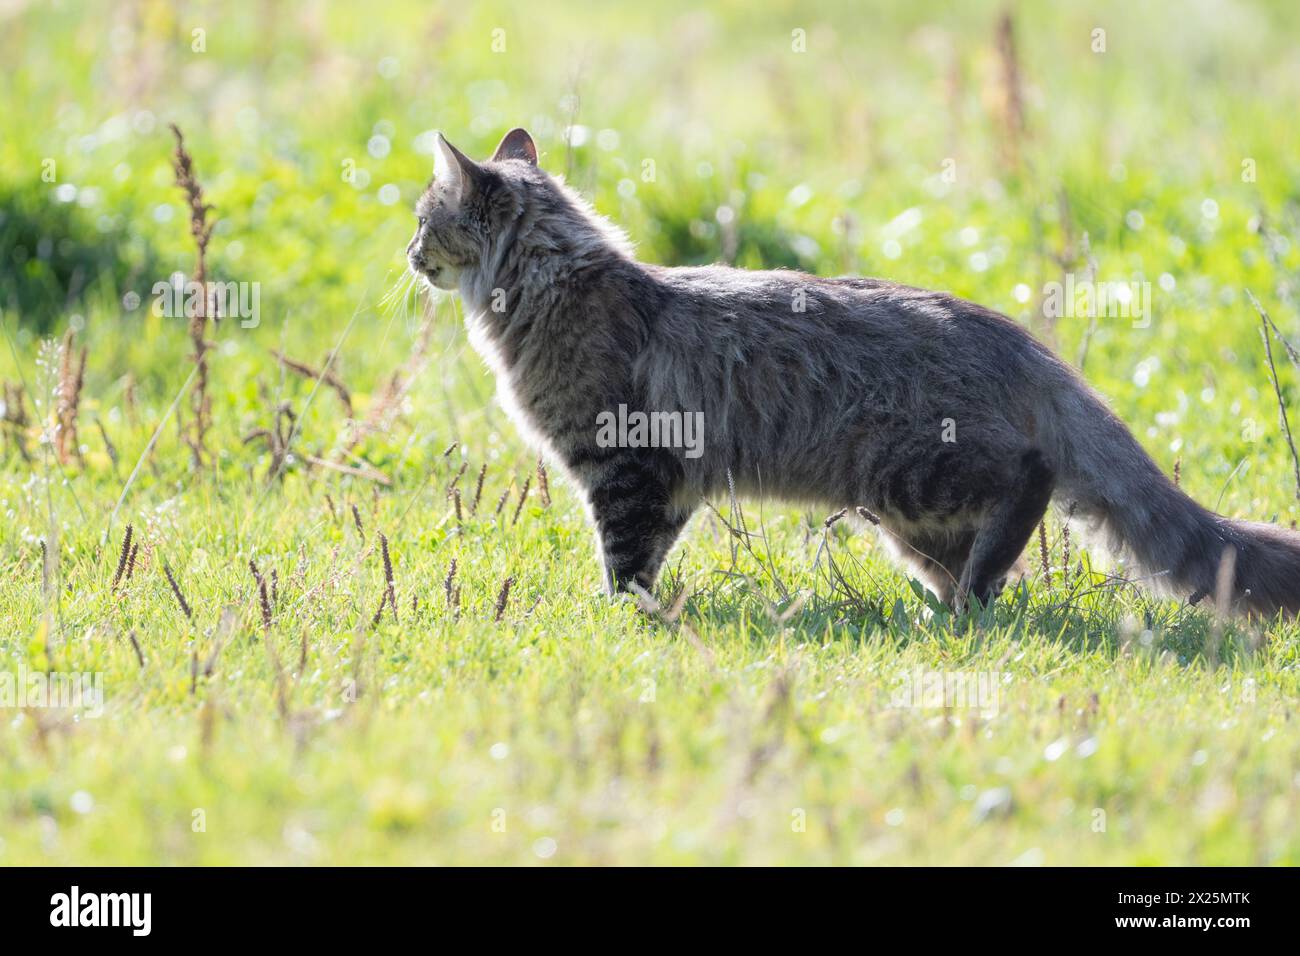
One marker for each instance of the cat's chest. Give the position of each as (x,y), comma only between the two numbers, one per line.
(512,394)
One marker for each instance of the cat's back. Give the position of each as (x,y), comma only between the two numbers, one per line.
(839,338)
(763,301)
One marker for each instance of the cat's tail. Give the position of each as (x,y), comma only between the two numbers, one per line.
(1179,547)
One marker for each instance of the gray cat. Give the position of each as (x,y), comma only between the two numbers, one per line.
(946,420)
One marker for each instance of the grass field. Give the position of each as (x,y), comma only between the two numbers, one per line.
(768,713)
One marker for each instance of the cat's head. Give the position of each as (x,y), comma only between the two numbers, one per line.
(468,204)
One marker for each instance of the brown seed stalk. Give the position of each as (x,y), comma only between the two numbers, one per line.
(130,561)
(1042,551)
(201,231)
(1065,545)
(450,581)
(502,597)
(135,645)
(478,489)
(456,480)
(523,497)
(176,590)
(263,600)
(390,595)
(72,373)
(108,444)
(543,484)
(868,516)
(123,558)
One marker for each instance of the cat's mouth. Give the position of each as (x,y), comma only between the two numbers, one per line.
(428,270)
(441,276)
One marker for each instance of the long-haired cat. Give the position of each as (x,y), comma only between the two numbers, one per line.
(945,419)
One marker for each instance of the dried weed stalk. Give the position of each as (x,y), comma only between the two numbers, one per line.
(201,231)
(72,373)
(326,376)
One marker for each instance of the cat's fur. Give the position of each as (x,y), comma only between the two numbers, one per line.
(834,392)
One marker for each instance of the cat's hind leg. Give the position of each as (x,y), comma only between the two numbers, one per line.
(1007,528)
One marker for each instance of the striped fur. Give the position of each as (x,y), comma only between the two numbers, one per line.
(947,420)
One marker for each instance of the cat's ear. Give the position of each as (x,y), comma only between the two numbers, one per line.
(516,144)
(452,167)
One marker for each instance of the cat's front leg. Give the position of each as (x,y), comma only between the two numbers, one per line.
(636,519)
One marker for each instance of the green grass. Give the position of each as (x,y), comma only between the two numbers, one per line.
(762,724)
